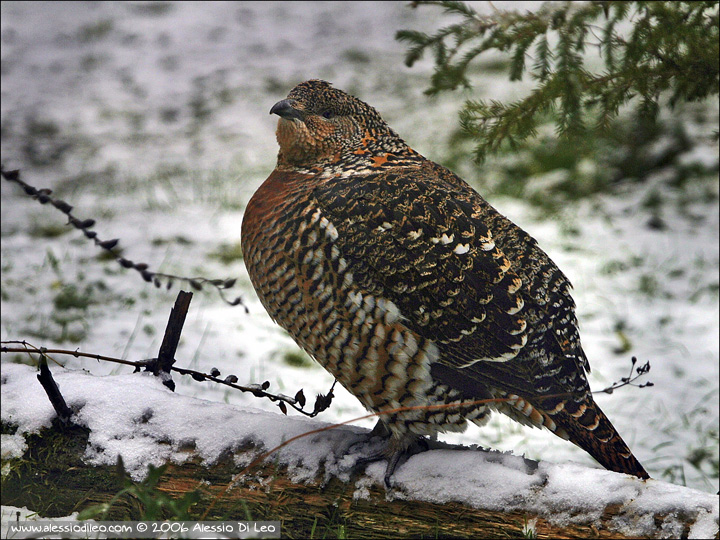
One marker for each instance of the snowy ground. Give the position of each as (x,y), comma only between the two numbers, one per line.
(563,494)
(152,118)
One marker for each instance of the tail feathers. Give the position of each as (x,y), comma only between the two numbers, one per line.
(580,422)
(587,426)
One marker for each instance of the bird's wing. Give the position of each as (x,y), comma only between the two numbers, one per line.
(435,248)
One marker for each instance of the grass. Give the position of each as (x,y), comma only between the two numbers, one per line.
(701,455)
(529,530)
(228,253)
(155,505)
(49,230)
(152,9)
(297,358)
(44,143)
(94,32)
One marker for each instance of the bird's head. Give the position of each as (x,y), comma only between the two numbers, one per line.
(325,129)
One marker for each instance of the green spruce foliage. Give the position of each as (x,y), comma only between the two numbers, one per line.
(650,51)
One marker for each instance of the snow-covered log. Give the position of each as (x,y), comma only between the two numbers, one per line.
(310,482)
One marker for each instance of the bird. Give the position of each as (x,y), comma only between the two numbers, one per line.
(422,300)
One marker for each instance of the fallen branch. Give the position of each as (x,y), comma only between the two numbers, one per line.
(310,484)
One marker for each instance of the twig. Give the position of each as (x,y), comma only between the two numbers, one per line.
(322,401)
(166,357)
(76,353)
(53,392)
(630,379)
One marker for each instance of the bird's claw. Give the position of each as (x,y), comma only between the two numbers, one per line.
(394,453)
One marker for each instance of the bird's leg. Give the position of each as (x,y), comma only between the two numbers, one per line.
(381,432)
(394,450)
(401,451)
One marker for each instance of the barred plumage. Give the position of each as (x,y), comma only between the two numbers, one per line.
(406,285)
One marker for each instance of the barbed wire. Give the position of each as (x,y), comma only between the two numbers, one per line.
(44,196)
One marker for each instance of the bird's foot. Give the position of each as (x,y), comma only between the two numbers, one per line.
(393,450)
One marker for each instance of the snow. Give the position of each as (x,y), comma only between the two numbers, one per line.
(136,417)
(163,134)
(130,415)
(13,446)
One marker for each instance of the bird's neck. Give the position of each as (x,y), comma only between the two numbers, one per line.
(372,154)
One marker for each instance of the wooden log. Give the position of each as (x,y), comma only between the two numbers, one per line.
(53,480)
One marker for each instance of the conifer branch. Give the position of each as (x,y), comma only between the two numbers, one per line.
(671,51)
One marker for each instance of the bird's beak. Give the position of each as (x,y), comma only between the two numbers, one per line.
(287,109)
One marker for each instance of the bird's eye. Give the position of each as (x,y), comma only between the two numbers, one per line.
(327,114)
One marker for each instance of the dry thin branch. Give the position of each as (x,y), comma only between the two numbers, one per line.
(53,392)
(322,401)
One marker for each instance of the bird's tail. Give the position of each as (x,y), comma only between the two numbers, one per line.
(584,424)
